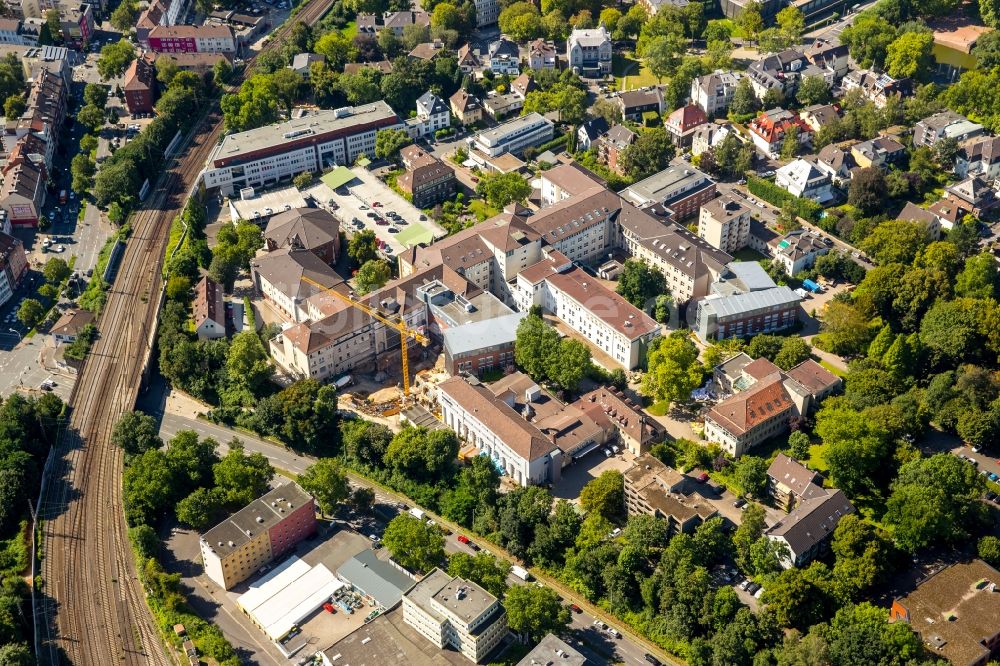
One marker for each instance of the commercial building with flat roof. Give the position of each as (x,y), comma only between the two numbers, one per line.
(553,650)
(312,142)
(677,192)
(513,136)
(457,613)
(376,578)
(482,346)
(262,531)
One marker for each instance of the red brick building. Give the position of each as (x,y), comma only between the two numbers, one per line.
(140,85)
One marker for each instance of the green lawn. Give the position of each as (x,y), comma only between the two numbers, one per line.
(817,459)
(482,210)
(659,408)
(350,30)
(746,254)
(832,368)
(631,73)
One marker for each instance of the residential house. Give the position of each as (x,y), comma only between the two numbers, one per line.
(877,88)
(611,145)
(634,103)
(802,179)
(427,51)
(503,56)
(714,92)
(725,223)
(955,613)
(636,432)
(653,6)
(819,116)
(524,84)
(676,192)
(542,55)
(199,63)
(915,213)
(974,194)
(397,22)
(798,250)
(140,85)
(830,56)
(768,130)
(653,489)
(682,123)
(949,212)
(427,180)
(745,301)
(711,135)
(502,105)
(303,62)
(468,59)
(67,328)
(589,131)
(432,115)
(779,71)
(467,109)
(455,613)
(761,237)
(588,51)
(789,482)
(13,265)
(12,32)
(277,277)
(312,229)
(209,310)
(582,227)
(882,152)
(979,157)
(806,531)
(837,163)
(22,193)
(946,124)
(261,532)
(553,650)
(564,181)
(383,66)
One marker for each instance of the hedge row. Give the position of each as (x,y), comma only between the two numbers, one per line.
(774,195)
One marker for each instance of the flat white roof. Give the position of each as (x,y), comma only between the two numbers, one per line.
(287,595)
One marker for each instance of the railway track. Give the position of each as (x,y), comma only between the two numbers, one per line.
(92,608)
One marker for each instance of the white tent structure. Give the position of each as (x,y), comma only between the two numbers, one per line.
(287,595)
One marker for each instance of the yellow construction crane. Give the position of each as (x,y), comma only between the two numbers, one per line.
(400,327)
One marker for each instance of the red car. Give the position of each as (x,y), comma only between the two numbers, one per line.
(376,204)
(328,607)
(703,477)
(575,608)
(463,539)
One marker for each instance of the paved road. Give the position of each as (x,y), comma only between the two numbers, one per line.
(585,635)
(832,31)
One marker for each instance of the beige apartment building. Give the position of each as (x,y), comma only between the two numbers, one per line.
(725,223)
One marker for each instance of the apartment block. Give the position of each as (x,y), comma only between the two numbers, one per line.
(652,488)
(261,532)
(315,141)
(208,38)
(725,223)
(513,136)
(455,613)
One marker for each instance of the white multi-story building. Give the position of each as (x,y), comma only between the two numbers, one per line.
(589,51)
(487,12)
(208,38)
(261,157)
(11,33)
(725,223)
(513,136)
(714,92)
(432,115)
(802,179)
(455,613)
(604,318)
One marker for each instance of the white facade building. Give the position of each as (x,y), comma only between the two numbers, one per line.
(487,12)
(714,92)
(432,115)
(802,179)
(725,223)
(261,157)
(589,51)
(513,136)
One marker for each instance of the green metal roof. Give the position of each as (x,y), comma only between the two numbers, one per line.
(338,177)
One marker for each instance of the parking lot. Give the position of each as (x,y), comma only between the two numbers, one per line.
(367,203)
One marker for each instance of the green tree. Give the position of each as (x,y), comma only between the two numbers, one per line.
(82,168)
(649,154)
(191,460)
(114,59)
(302,180)
(482,569)
(30,312)
(326,481)
(414,544)
(792,22)
(420,454)
(988,549)
(501,189)
(222,72)
(242,478)
(568,366)
(521,21)
(135,433)
(813,89)
(535,611)
(794,350)
(750,475)
(978,277)
(363,499)
(200,509)
(663,54)
(868,39)
(857,449)
(896,241)
(147,488)
(56,270)
(750,20)
(389,142)
(800,598)
(790,144)
(363,247)
(225,265)
(674,370)
(91,117)
(864,555)
(254,105)
(13,106)
(744,100)
(640,284)
(987,48)
(16,654)
(909,55)
(605,496)
(247,363)
(372,275)
(847,329)
(124,16)
(798,445)
(750,530)
(536,343)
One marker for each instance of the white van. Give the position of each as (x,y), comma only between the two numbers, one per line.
(417,513)
(521,573)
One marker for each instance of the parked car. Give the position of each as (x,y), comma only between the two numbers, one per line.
(463,539)
(740,503)
(752,588)
(606,452)
(651,659)
(743,585)
(702,478)
(575,608)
